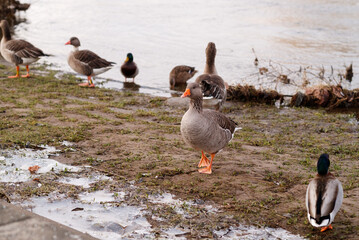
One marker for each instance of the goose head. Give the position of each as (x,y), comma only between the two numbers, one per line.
(4,25)
(74,41)
(193,91)
(211,52)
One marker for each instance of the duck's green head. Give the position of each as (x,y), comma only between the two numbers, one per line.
(323,164)
(129,57)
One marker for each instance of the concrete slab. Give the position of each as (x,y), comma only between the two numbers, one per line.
(17,223)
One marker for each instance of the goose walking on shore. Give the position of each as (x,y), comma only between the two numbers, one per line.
(86,62)
(18,52)
(203,129)
(324,196)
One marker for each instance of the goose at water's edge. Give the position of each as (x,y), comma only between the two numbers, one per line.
(18,52)
(213,86)
(86,62)
(179,75)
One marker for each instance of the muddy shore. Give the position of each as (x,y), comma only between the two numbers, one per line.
(259,179)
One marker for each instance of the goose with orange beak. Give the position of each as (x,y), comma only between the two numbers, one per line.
(18,52)
(86,62)
(205,130)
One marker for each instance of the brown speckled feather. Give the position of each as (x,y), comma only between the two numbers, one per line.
(212,86)
(24,49)
(223,121)
(92,59)
(181,74)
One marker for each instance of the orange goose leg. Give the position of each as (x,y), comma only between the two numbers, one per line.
(92,85)
(323,229)
(86,84)
(204,162)
(17,73)
(207,170)
(28,72)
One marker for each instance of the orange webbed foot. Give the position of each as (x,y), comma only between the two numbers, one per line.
(92,85)
(25,76)
(16,76)
(323,229)
(86,84)
(204,162)
(207,170)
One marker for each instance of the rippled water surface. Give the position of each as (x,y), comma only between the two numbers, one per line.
(162,34)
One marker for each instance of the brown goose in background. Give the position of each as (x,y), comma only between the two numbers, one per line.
(212,85)
(204,129)
(129,68)
(18,52)
(86,62)
(181,74)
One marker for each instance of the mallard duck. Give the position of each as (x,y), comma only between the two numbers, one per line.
(18,52)
(213,86)
(86,62)
(129,68)
(181,74)
(204,129)
(324,196)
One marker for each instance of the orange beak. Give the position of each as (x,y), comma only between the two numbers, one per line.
(186,93)
(69,42)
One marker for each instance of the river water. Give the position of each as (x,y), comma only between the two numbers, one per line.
(162,34)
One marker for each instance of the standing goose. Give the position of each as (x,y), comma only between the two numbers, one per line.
(181,74)
(18,52)
(129,68)
(212,85)
(204,129)
(86,62)
(324,196)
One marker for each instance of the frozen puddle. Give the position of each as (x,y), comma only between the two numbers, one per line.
(84,181)
(253,233)
(101,220)
(14,164)
(104,214)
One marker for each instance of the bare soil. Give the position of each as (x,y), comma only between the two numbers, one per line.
(259,179)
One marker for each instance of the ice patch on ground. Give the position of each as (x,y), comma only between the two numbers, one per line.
(101,197)
(104,221)
(84,181)
(104,214)
(169,199)
(253,233)
(353,121)
(14,164)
